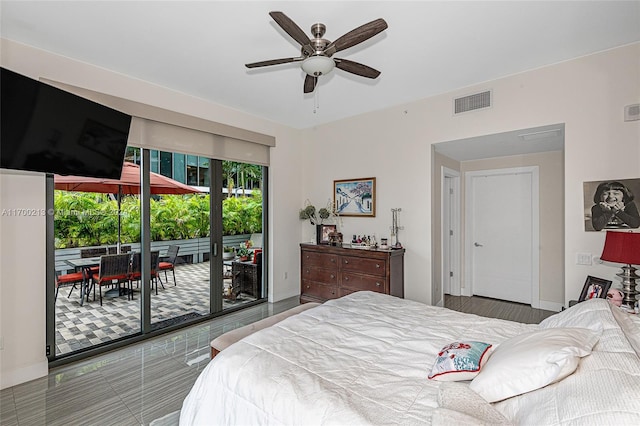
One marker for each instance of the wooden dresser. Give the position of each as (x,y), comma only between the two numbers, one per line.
(329,272)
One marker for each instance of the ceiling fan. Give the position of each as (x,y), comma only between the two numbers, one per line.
(316,53)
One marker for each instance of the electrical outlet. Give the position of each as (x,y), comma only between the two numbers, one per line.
(583,259)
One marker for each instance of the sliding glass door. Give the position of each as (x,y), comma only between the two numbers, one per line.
(243,254)
(93,222)
(206,250)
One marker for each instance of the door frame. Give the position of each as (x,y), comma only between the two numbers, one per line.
(450,259)
(534,171)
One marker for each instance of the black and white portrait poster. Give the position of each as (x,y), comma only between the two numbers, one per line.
(611,204)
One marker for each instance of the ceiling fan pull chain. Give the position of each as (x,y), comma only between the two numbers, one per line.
(316,99)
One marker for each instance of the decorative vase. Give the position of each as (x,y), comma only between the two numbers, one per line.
(318,234)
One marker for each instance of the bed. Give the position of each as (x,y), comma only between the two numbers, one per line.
(365,359)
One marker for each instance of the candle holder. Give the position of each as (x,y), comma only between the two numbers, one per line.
(395,242)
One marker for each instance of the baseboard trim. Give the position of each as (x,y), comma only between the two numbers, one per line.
(551,306)
(23,375)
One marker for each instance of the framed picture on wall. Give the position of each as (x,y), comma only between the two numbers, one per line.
(611,204)
(355,197)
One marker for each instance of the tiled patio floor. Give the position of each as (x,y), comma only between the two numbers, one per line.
(79,327)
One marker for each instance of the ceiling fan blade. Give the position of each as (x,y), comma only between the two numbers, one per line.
(290,28)
(356,68)
(272,62)
(353,37)
(310,83)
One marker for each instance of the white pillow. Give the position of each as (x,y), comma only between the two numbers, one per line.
(532,360)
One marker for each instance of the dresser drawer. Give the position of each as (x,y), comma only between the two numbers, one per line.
(320,260)
(326,276)
(364,265)
(363,282)
(310,288)
(328,272)
(344,291)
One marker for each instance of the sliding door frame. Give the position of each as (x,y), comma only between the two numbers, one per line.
(215,236)
(216,265)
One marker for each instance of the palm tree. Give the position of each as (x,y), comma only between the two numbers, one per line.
(242,173)
(228,172)
(249,172)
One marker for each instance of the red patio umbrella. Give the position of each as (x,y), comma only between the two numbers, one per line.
(128,184)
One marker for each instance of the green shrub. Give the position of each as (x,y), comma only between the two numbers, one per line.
(89,219)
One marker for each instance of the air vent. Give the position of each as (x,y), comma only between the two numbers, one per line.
(632,112)
(472,102)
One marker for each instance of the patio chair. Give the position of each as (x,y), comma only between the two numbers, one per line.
(114,269)
(63,280)
(135,273)
(155,276)
(93,252)
(168,262)
(114,249)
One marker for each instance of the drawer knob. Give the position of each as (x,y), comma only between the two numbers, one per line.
(332,276)
(333,260)
(346,278)
(378,284)
(308,287)
(377,265)
(346,261)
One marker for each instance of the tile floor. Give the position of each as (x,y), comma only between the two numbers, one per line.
(129,386)
(494,308)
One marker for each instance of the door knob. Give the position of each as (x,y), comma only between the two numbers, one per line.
(477,244)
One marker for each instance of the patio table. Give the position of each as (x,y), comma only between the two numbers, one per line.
(85,264)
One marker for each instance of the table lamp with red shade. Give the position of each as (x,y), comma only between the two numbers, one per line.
(624,247)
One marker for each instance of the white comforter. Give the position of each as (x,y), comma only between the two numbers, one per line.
(364,359)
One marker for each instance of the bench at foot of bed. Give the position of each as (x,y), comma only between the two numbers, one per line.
(229,338)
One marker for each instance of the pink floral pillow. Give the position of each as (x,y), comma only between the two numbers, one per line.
(460,361)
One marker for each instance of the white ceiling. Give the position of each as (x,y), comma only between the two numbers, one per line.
(517,142)
(200,48)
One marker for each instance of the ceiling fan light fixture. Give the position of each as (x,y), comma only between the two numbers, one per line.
(317,65)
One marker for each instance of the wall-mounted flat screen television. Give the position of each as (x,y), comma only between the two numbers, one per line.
(46,129)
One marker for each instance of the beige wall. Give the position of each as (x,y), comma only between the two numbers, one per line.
(587,94)
(551,215)
(22,274)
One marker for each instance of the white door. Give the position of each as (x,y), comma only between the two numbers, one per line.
(450,232)
(502,243)
(447,193)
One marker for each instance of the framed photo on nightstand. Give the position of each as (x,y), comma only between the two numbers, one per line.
(594,287)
